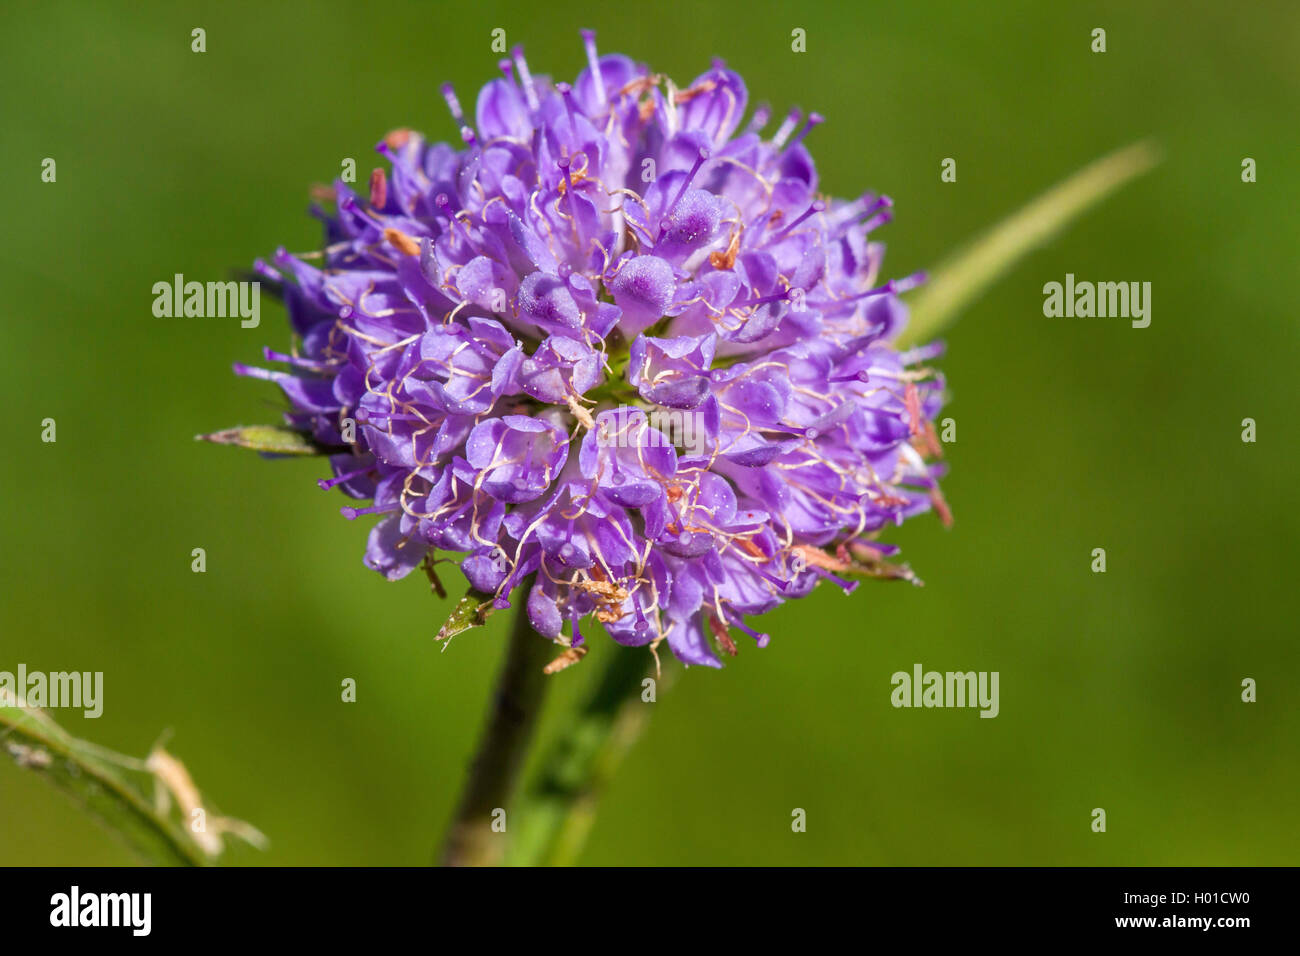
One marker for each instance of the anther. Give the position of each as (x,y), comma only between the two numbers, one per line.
(378,190)
(401,241)
(397,138)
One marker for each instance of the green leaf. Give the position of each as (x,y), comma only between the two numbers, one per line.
(111,787)
(471,611)
(270,439)
(960,279)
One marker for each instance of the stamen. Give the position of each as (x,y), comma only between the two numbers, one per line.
(273,356)
(252,371)
(577,639)
(378,190)
(855,209)
(941,506)
(566,91)
(563,163)
(786,128)
(352,514)
(525,77)
(847,586)
(327,483)
(760,638)
(781,585)
(262,269)
(401,241)
(762,113)
(453,104)
(878,220)
(861,376)
(883,202)
(700,160)
(912,402)
(814,208)
(911,282)
(390,417)
(892,287)
(887,289)
(922,353)
(427,266)
(719,629)
(814,119)
(589,41)
(397,138)
(763,300)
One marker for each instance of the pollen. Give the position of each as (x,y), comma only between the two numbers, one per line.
(402,242)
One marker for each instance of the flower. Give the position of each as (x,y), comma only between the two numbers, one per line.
(619,346)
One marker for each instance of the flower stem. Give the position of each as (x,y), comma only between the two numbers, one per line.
(511,720)
(560,807)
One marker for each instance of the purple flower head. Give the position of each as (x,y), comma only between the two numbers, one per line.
(615,343)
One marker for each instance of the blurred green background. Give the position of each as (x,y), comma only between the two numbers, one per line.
(1118,690)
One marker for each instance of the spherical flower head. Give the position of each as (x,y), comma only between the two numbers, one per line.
(619,346)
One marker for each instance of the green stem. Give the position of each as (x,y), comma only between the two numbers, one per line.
(97,779)
(560,807)
(960,280)
(511,720)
